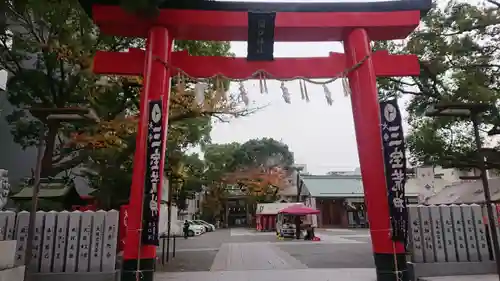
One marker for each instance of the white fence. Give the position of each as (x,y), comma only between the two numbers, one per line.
(449,233)
(65,241)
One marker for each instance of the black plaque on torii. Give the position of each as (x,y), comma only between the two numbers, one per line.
(260,36)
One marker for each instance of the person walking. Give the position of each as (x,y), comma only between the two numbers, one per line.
(186,229)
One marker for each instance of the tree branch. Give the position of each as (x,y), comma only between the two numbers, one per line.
(496,3)
(65,164)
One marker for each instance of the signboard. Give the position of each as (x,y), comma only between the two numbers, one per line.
(150,218)
(261,36)
(395,167)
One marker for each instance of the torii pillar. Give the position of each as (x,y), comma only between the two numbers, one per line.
(356,24)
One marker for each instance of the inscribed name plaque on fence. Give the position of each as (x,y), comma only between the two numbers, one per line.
(153,177)
(3,225)
(395,167)
(84,248)
(427,234)
(61,241)
(69,241)
(110,241)
(49,231)
(416,234)
(74,231)
(37,240)
(448,232)
(7,223)
(463,233)
(22,222)
(96,243)
(459,227)
(470,233)
(11,224)
(482,241)
(437,233)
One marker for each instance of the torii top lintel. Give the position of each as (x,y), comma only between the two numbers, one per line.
(295,22)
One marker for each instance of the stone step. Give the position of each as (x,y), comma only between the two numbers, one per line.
(8,250)
(12,274)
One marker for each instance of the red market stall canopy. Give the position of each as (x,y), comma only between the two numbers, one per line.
(274,208)
(299,211)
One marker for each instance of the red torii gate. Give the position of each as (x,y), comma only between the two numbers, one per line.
(354,23)
(132,63)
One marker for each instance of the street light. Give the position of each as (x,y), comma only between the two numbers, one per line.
(473,112)
(299,184)
(467,110)
(48,115)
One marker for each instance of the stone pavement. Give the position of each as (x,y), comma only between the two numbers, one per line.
(488,277)
(345,274)
(246,255)
(253,256)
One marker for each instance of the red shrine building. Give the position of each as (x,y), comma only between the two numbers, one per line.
(262,24)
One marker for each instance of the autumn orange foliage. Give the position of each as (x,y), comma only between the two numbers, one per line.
(105,134)
(258,181)
(182,106)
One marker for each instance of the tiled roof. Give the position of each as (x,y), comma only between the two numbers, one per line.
(342,186)
(47,190)
(334,186)
(466,192)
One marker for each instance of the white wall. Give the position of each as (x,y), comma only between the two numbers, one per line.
(174,226)
(429,181)
(453,175)
(311,203)
(193,206)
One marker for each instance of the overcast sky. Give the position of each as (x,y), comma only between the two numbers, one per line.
(321,136)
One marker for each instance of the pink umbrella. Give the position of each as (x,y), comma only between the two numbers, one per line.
(299,210)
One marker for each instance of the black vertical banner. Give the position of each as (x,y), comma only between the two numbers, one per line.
(395,167)
(150,216)
(261,36)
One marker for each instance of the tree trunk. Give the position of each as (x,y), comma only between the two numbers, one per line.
(50,141)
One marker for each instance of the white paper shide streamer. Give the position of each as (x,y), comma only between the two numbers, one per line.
(244,94)
(286,93)
(345,85)
(202,84)
(328,95)
(199,91)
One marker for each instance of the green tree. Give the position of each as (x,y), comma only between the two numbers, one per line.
(47,48)
(263,152)
(257,168)
(150,7)
(218,160)
(458,51)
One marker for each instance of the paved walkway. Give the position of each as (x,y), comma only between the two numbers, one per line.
(345,274)
(248,255)
(488,277)
(331,236)
(253,256)
(266,261)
